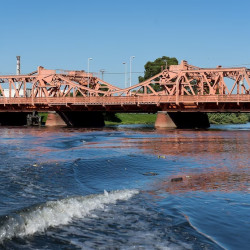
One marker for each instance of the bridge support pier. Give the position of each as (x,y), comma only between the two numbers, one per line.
(182,120)
(54,119)
(75,119)
(163,120)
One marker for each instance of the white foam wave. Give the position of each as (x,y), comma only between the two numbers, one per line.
(55,213)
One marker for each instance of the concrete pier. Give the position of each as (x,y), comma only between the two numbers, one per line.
(182,120)
(54,119)
(75,119)
(163,120)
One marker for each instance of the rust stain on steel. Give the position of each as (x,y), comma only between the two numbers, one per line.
(179,88)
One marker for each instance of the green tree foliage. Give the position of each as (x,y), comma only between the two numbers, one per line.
(155,67)
(228,118)
(248,115)
(111,117)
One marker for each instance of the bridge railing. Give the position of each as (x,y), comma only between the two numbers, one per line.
(125,100)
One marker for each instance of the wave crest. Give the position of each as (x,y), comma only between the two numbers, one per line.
(60,212)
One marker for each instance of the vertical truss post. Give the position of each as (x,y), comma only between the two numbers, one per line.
(177,90)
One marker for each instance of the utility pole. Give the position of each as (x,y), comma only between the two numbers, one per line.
(18,70)
(125,74)
(130,78)
(18,65)
(88,73)
(102,72)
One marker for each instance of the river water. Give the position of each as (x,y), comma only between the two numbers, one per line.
(125,187)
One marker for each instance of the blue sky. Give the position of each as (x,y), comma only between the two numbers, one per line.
(60,34)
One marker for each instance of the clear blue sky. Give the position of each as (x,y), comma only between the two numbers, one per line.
(60,34)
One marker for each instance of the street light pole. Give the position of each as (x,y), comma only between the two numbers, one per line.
(102,72)
(88,72)
(130,79)
(125,74)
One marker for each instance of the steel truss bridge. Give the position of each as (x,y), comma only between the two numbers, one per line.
(178,88)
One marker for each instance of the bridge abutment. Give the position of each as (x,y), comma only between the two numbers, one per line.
(182,120)
(163,120)
(75,119)
(54,119)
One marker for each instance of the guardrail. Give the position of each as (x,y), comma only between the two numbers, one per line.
(124,100)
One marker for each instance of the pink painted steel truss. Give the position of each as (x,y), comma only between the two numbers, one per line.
(178,88)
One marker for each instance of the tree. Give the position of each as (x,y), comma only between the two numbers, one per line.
(155,67)
(227,118)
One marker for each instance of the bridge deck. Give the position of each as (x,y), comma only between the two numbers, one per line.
(150,103)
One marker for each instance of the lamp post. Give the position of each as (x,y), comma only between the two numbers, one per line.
(125,74)
(88,72)
(18,69)
(130,79)
(102,72)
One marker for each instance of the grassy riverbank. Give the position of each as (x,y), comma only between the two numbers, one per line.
(214,118)
(129,118)
(44,116)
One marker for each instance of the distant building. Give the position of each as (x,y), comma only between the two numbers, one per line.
(13,93)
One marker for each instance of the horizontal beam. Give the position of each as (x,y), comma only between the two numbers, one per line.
(215,103)
(121,100)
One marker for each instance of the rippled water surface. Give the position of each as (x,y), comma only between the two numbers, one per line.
(125,187)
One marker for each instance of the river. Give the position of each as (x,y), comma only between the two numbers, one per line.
(125,187)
